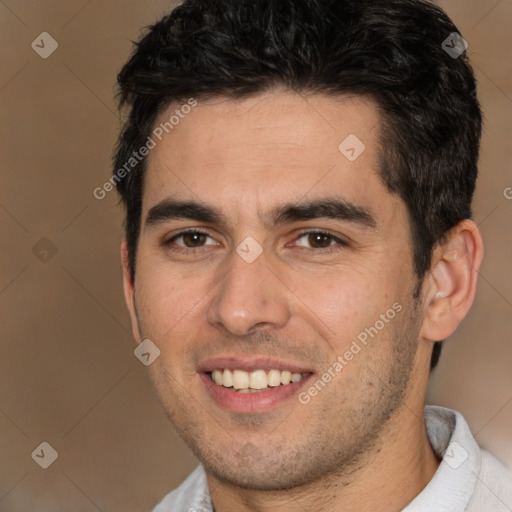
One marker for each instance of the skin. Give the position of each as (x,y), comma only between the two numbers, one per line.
(359,444)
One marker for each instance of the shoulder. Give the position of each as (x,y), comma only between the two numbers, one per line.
(191,495)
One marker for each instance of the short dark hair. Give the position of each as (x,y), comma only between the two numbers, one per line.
(388,50)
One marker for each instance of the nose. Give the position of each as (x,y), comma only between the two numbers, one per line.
(249,296)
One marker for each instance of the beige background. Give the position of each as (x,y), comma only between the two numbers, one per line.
(68,373)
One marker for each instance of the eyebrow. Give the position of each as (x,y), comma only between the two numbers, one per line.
(331,208)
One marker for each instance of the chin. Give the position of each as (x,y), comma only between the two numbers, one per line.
(258,478)
(275,469)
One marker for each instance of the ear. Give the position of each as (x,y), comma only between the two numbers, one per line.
(129,291)
(451,284)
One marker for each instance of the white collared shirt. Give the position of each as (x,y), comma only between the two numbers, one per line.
(468,479)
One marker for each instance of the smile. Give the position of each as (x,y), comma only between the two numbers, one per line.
(255,381)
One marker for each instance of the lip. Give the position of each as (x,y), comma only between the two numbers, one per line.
(261,401)
(251,364)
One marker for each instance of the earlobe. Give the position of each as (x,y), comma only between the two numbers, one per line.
(452,280)
(129,291)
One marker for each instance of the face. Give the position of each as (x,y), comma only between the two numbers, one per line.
(266,250)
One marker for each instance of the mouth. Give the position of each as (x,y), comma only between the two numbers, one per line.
(252,385)
(255,381)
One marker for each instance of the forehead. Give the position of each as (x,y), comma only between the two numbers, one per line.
(248,154)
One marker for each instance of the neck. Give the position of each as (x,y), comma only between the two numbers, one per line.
(398,468)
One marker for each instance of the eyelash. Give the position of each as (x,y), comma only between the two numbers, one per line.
(341,243)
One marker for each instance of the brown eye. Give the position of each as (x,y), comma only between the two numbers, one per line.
(193,239)
(190,239)
(319,240)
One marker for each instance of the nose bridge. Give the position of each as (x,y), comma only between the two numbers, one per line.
(248,295)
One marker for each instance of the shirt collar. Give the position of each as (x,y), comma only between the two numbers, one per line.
(452,486)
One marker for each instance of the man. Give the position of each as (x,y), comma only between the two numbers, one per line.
(298,177)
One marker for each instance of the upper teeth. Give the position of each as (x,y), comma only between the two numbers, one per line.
(259,379)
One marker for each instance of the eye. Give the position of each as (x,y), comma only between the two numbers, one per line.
(313,240)
(319,240)
(190,239)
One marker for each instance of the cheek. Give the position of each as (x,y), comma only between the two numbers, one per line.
(344,304)
(166,304)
